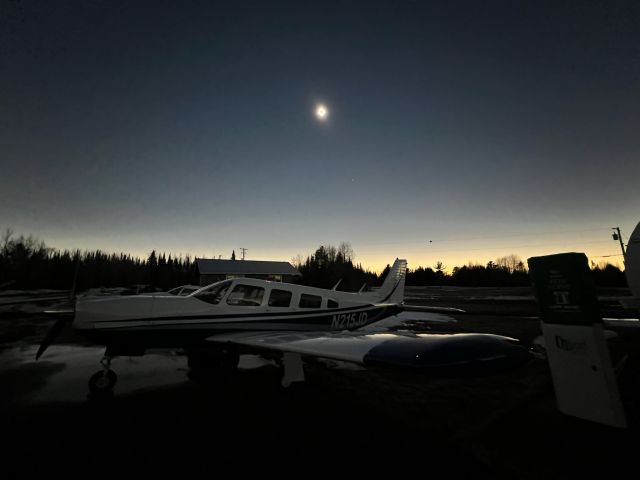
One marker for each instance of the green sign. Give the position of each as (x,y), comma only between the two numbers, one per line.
(564,288)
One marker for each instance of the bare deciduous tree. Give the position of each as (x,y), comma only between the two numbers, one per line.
(297,261)
(346,251)
(6,240)
(512,263)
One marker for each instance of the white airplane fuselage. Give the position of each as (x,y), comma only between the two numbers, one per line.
(244,304)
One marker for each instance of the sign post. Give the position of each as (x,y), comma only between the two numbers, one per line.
(583,377)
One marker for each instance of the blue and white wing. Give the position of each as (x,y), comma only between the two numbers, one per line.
(436,353)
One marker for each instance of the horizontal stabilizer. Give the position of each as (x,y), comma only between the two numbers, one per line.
(60,312)
(428,309)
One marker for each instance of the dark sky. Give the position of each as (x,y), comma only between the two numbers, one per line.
(488,127)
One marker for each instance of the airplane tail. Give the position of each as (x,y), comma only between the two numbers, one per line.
(632,262)
(392,290)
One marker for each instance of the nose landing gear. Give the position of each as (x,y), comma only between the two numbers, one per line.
(101,383)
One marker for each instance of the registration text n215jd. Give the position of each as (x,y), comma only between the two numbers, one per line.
(343,321)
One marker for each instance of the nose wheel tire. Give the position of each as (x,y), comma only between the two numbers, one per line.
(102,382)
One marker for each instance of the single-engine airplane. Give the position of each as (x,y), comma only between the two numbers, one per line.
(217,322)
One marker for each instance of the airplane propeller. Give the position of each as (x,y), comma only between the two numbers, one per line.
(51,335)
(66,315)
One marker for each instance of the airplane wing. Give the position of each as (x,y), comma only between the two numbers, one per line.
(437,353)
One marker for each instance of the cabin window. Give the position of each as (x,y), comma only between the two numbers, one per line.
(246,296)
(310,301)
(279,298)
(332,304)
(214,293)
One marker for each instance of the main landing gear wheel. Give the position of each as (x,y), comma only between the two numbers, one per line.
(101,383)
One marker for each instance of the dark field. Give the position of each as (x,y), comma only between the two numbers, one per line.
(341,420)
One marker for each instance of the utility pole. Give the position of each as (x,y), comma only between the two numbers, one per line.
(618,236)
(243,250)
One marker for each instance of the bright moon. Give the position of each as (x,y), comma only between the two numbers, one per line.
(322,112)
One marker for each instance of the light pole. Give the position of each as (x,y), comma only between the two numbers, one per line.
(618,236)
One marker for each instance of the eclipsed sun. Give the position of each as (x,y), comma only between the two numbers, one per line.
(322,112)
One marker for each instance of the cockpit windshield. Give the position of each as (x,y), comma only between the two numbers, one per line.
(214,293)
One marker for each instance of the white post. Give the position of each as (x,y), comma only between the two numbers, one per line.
(583,377)
(293,369)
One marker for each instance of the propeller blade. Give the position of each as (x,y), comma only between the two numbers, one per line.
(74,283)
(51,335)
(66,313)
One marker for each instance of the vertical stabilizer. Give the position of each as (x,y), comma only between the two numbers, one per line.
(392,290)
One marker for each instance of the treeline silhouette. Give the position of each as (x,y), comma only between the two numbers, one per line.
(508,271)
(497,274)
(27,263)
(329,264)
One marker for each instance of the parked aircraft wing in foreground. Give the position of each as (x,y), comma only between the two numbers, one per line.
(433,353)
